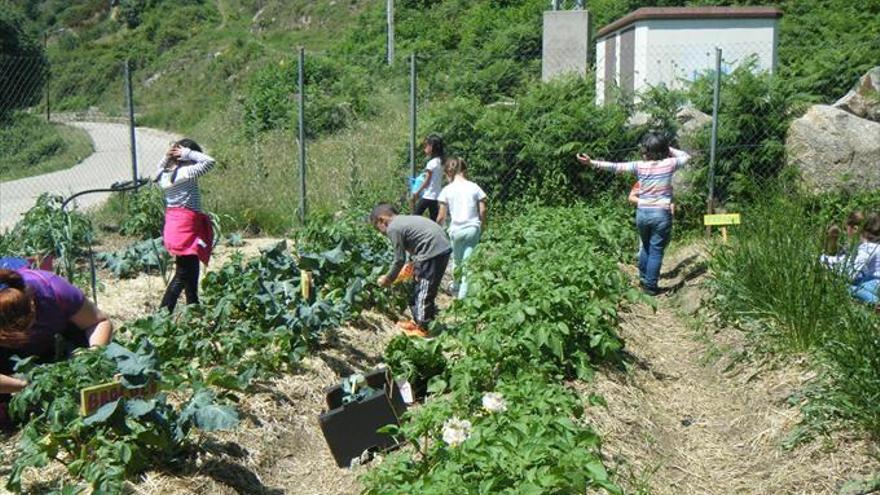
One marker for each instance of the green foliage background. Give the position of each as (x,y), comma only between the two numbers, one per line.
(224,72)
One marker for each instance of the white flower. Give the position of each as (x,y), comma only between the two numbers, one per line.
(456,431)
(494,402)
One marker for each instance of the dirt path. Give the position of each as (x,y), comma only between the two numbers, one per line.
(689,417)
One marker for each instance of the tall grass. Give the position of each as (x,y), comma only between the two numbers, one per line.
(770,281)
(257,181)
(771,273)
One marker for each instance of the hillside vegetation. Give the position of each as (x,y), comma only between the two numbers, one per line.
(224,72)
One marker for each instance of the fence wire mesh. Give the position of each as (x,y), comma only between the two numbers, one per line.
(53,144)
(663,87)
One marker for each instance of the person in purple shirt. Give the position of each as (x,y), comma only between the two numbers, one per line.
(36,307)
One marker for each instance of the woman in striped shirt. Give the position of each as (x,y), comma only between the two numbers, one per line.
(188,234)
(654,216)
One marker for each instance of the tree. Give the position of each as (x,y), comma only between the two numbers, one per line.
(23,63)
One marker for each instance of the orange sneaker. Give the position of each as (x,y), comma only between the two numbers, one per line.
(412,329)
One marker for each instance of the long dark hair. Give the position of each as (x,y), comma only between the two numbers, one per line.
(436,142)
(17,309)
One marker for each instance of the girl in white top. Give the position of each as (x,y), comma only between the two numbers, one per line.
(863,266)
(464,204)
(425,198)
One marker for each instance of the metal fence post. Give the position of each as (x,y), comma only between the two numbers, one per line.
(302,135)
(710,200)
(132,138)
(48,77)
(412,115)
(389,10)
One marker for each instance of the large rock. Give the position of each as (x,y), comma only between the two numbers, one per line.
(835,150)
(691,121)
(864,99)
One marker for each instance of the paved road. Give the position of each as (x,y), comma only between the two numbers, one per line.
(110,162)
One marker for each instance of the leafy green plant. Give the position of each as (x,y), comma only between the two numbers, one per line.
(144,213)
(46,229)
(417,361)
(498,420)
(250,306)
(120,439)
(537,444)
(142,256)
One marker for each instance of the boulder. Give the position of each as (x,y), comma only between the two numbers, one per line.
(691,121)
(864,99)
(835,150)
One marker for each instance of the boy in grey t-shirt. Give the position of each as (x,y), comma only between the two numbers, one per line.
(429,250)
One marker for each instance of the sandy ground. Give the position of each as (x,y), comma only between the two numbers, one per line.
(695,414)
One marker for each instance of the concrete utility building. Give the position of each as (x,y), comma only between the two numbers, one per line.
(674,45)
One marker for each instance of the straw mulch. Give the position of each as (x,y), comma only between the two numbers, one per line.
(279,447)
(695,414)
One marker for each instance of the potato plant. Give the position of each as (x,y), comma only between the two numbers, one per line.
(120,439)
(546,291)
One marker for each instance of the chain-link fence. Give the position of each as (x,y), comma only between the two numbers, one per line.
(725,104)
(53,144)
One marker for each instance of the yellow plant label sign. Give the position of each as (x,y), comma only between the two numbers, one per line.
(721,219)
(92,398)
(305,284)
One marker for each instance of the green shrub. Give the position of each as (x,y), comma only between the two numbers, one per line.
(485,50)
(755,112)
(23,65)
(144,213)
(525,151)
(334,97)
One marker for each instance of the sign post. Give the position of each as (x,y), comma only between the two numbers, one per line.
(721,220)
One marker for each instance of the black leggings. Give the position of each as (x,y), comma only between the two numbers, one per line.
(427,274)
(431,205)
(186,278)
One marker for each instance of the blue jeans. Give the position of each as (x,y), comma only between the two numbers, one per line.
(866,290)
(463,243)
(655,231)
